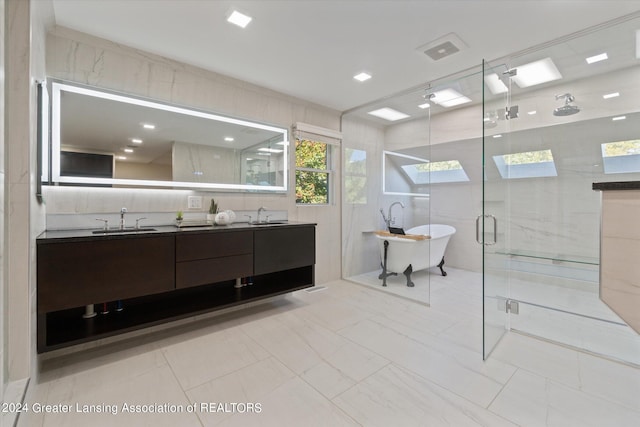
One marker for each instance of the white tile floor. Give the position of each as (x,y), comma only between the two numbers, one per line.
(347,355)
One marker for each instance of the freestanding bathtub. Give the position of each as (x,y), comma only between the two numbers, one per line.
(406,255)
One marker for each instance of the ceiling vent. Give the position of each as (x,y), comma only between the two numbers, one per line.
(443,47)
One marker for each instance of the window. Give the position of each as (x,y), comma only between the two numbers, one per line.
(314,163)
(621,156)
(313,172)
(529,164)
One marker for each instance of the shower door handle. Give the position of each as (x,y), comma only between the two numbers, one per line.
(495,230)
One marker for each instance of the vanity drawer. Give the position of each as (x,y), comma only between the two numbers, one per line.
(190,247)
(212,270)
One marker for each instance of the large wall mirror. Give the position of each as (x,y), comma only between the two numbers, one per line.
(109,139)
(404,174)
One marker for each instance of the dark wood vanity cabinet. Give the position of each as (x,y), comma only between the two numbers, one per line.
(162,277)
(203,258)
(73,274)
(278,249)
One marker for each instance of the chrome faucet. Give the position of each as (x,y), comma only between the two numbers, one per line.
(122,212)
(260,210)
(389,219)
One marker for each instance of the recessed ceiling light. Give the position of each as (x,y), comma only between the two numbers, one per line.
(531,113)
(611,95)
(597,58)
(136,140)
(619,118)
(148,126)
(362,76)
(389,114)
(121,157)
(270,150)
(495,85)
(449,98)
(425,105)
(239,19)
(535,73)
(497,136)
(128,150)
(228,138)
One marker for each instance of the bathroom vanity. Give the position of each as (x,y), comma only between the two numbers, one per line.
(162,274)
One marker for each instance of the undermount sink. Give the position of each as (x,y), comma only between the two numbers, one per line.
(125,230)
(283,221)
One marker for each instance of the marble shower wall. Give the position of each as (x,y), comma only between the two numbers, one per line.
(85,59)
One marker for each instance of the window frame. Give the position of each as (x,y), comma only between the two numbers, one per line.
(329,171)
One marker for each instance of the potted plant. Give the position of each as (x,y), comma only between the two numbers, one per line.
(179,217)
(213,210)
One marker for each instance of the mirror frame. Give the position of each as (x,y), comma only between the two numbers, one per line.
(51,163)
(386,153)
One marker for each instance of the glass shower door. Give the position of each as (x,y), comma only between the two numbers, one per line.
(490,224)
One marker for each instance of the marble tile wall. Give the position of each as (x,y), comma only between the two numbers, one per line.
(24,36)
(17,184)
(89,60)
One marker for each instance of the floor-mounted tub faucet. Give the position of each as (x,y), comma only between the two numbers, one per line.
(389,219)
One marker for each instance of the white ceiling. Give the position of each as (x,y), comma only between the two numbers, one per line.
(311,49)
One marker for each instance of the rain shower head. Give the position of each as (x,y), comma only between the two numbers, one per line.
(566,109)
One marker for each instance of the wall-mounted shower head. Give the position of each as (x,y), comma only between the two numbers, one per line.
(566,109)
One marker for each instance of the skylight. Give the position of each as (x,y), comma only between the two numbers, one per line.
(449,98)
(621,156)
(495,85)
(528,164)
(535,73)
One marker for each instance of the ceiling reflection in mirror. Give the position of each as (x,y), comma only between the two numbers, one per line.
(109,139)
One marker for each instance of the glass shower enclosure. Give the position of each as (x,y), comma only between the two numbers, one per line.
(557,119)
(506,152)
